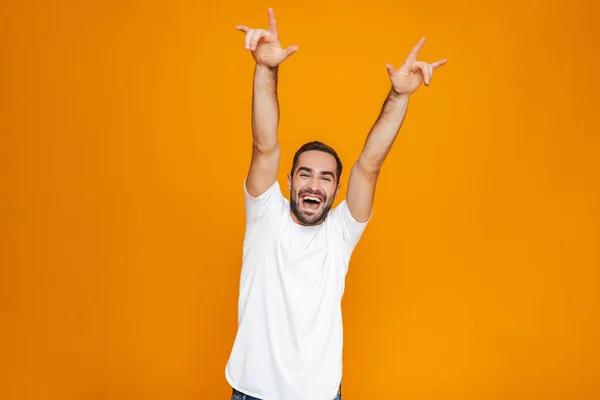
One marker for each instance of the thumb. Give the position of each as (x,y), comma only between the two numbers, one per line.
(291,50)
(390,69)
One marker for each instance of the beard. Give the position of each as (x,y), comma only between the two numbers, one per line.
(309,218)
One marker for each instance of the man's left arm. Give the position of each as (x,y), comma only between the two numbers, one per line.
(365,171)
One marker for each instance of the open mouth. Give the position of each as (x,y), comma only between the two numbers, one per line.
(310,202)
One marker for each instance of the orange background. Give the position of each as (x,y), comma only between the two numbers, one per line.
(125,139)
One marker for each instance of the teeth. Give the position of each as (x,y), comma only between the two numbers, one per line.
(311,198)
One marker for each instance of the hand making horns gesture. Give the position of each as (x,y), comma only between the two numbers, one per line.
(264,44)
(412,73)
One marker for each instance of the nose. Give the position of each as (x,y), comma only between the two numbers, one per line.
(314,184)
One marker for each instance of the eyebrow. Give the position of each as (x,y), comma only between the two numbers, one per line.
(312,171)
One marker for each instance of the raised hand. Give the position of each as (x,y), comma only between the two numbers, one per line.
(410,76)
(264,44)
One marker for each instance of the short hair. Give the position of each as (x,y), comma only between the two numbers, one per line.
(319,146)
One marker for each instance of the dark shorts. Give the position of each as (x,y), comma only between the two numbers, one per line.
(237,395)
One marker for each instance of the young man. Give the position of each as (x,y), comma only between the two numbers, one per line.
(296,253)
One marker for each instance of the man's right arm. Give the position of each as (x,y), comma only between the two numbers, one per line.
(268,54)
(265,121)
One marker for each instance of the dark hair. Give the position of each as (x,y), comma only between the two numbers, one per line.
(319,146)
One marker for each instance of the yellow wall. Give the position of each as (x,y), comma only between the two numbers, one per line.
(125,140)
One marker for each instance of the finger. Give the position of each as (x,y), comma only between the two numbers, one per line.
(412,57)
(291,50)
(256,36)
(438,64)
(421,66)
(272,21)
(430,72)
(242,28)
(248,38)
(390,69)
(428,75)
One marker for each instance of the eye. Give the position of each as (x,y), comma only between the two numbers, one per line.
(304,175)
(326,179)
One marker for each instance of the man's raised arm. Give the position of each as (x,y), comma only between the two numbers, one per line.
(364,173)
(268,54)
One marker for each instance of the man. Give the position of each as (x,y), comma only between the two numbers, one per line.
(296,253)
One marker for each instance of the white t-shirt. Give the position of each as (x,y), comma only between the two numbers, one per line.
(290,336)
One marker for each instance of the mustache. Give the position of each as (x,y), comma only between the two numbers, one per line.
(313,192)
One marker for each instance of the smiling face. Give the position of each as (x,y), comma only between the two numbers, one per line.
(313,187)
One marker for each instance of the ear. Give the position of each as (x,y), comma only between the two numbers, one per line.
(337,190)
(289,184)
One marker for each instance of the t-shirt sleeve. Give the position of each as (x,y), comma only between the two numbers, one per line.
(257,207)
(352,229)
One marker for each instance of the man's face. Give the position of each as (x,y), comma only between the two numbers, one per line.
(313,187)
